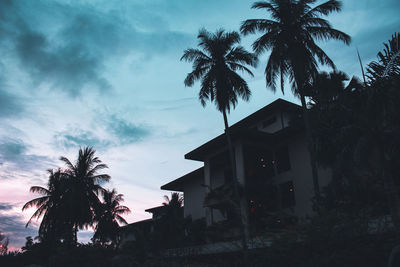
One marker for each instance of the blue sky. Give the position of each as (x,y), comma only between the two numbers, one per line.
(107,74)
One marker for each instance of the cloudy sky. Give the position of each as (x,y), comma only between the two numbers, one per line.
(107,74)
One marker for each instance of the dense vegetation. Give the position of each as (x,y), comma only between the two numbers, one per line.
(353,127)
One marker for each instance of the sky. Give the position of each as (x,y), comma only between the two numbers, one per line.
(108,74)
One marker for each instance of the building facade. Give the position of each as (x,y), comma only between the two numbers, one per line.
(272,166)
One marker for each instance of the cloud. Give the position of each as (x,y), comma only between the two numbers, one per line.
(12,225)
(67,48)
(5,206)
(70,67)
(125,131)
(10,105)
(110,130)
(75,137)
(14,158)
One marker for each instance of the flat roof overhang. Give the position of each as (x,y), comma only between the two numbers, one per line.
(240,129)
(220,142)
(155,209)
(177,184)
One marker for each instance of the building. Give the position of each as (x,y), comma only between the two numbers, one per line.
(272,165)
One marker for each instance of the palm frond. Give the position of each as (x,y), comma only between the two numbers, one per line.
(325,33)
(256,25)
(326,8)
(35,202)
(39,190)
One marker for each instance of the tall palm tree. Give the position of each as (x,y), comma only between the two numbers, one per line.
(55,223)
(84,187)
(109,217)
(216,64)
(290,34)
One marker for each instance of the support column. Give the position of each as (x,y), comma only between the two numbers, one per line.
(207,182)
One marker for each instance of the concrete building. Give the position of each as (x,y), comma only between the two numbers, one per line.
(272,165)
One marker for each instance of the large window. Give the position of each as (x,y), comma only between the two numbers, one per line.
(269,122)
(282,159)
(259,164)
(287,195)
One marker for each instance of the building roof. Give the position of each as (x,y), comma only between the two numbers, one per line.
(177,184)
(156,209)
(238,130)
(241,128)
(136,224)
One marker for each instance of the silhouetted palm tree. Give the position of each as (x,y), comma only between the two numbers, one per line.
(291,35)
(84,187)
(175,203)
(109,217)
(388,64)
(55,224)
(3,244)
(216,65)
(170,226)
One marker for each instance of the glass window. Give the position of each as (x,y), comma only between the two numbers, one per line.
(282,159)
(269,121)
(287,195)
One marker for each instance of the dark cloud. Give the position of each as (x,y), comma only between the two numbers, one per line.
(126,132)
(10,105)
(70,67)
(79,138)
(5,206)
(68,46)
(15,152)
(12,225)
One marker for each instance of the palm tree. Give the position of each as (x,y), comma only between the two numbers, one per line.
(109,217)
(55,223)
(84,187)
(291,36)
(3,244)
(216,64)
(170,226)
(174,204)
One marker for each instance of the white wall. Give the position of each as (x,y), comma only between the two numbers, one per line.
(194,194)
(300,174)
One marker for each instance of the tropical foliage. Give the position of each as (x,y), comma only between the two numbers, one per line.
(291,36)
(3,244)
(216,65)
(109,217)
(71,202)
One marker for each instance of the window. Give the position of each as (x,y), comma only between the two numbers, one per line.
(268,122)
(282,159)
(287,195)
(228,176)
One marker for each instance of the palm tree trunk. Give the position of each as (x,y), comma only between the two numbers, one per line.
(240,198)
(310,145)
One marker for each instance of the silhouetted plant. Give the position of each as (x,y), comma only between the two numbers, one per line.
(216,66)
(3,244)
(70,199)
(291,36)
(55,224)
(84,188)
(108,218)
